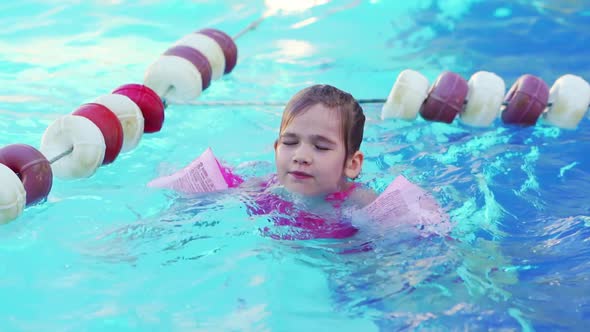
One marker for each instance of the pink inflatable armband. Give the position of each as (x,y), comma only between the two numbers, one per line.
(204,174)
(404,203)
(230,178)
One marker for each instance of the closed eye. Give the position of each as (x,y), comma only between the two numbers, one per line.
(322,148)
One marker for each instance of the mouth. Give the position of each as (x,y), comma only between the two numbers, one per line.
(300,175)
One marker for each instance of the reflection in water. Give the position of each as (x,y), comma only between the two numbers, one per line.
(304,23)
(292,50)
(287,7)
(563,6)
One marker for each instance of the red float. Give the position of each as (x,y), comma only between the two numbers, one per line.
(149,103)
(32,168)
(109,126)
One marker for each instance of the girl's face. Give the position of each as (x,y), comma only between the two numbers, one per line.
(310,153)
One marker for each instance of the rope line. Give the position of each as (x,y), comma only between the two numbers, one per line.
(281,103)
(252,26)
(61,155)
(264,103)
(249,28)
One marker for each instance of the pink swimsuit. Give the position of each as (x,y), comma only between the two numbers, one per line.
(302,225)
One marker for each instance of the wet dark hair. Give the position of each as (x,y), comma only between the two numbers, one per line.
(352,118)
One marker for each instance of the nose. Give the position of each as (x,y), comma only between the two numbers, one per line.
(302,155)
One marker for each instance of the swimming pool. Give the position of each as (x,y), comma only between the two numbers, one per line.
(107,253)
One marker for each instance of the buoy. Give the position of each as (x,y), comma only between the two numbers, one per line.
(174,78)
(484,99)
(406,96)
(445,99)
(228,46)
(109,126)
(82,137)
(196,58)
(12,195)
(32,168)
(569,98)
(208,47)
(149,103)
(525,101)
(129,116)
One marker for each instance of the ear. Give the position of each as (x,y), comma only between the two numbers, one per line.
(276,144)
(353,165)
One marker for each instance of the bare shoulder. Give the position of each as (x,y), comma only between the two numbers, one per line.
(363,196)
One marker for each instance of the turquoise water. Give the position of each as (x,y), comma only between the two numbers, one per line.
(107,253)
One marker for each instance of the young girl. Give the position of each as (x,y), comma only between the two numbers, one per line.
(318,149)
(317,155)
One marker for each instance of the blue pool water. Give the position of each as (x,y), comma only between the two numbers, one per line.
(105,253)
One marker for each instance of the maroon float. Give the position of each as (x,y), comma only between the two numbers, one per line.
(195,57)
(33,169)
(445,99)
(525,101)
(227,44)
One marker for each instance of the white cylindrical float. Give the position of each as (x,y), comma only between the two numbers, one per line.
(87,141)
(128,114)
(406,96)
(569,98)
(484,99)
(12,195)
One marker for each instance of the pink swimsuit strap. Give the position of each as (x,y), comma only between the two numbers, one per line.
(339,197)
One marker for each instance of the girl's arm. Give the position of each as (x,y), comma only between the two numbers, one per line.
(362,197)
